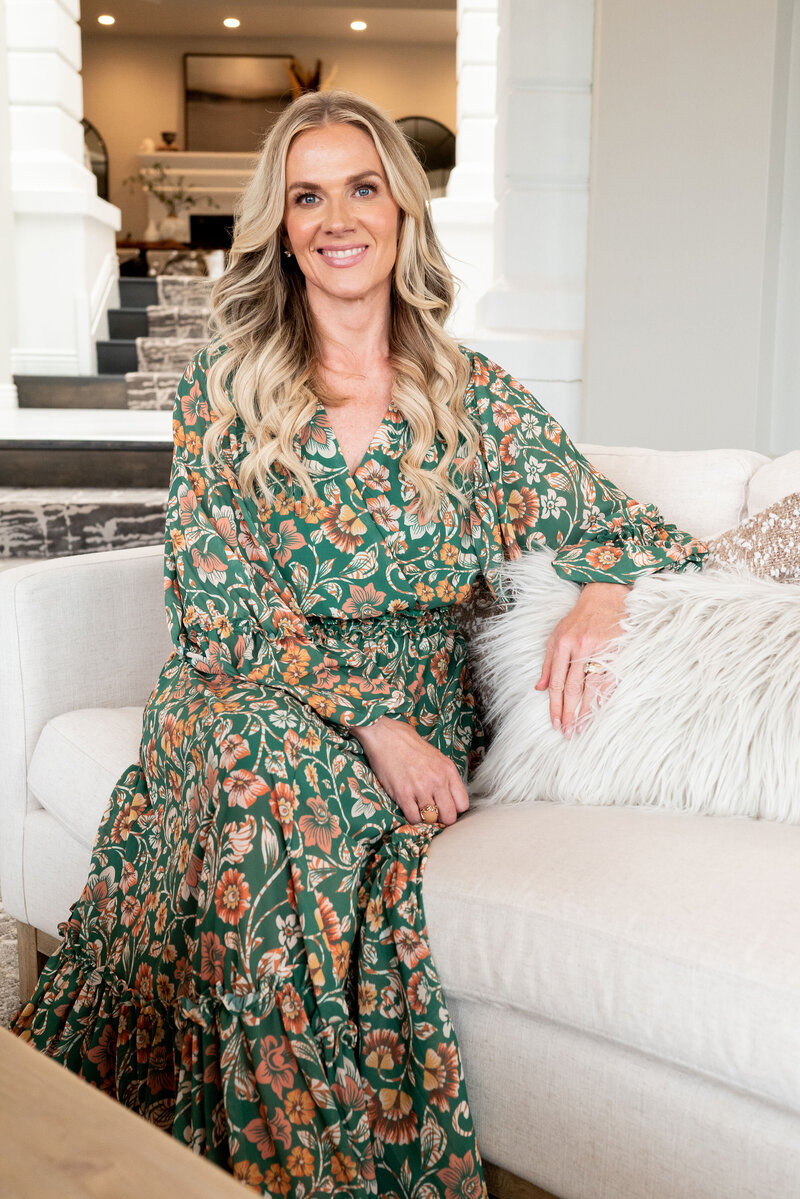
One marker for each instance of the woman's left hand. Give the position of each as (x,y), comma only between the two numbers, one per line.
(595,620)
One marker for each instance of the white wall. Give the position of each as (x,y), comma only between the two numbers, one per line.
(681,221)
(133,88)
(8,391)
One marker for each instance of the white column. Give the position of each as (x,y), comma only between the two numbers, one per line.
(531,320)
(65,261)
(464,218)
(8,391)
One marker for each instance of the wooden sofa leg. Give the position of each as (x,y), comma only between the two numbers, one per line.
(27,953)
(33,949)
(502,1184)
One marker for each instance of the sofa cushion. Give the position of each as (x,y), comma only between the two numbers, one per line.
(77,762)
(671,934)
(772,481)
(703,492)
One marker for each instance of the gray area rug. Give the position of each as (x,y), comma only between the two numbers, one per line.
(185,292)
(177,322)
(162,354)
(50,523)
(9,973)
(152,389)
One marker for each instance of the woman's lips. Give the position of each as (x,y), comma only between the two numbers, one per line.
(342,256)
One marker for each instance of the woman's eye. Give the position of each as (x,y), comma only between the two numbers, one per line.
(306,199)
(365,189)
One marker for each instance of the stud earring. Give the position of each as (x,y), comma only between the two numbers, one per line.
(288,253)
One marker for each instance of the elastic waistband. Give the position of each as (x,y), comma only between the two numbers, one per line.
(409,620)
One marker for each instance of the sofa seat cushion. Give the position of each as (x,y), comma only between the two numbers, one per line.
(667,933)
(78,761)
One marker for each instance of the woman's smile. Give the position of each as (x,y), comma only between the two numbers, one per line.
(343,256)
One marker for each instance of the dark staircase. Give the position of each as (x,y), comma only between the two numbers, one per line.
(117,355)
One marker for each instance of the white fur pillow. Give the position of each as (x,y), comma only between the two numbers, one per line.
(705,716)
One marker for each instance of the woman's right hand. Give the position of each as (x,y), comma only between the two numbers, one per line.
(411,771)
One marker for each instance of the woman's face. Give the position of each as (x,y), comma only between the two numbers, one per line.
(340,219)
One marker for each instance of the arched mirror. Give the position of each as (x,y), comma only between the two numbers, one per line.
(435,146)
(96,156)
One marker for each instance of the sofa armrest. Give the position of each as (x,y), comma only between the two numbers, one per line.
(80,632)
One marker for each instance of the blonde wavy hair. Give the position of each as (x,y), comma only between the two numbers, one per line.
(264,359)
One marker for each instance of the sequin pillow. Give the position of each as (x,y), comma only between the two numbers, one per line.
(766,545)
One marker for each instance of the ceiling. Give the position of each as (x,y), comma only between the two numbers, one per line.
(414,20)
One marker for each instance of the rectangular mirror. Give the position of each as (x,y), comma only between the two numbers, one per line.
(230,100)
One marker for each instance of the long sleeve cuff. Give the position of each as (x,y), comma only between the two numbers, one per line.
(634,550)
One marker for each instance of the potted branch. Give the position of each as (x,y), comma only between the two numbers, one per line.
(171,193)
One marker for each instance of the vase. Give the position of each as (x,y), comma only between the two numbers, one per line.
(152,232)
(172,228)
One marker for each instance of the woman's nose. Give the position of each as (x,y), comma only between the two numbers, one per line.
(339,216)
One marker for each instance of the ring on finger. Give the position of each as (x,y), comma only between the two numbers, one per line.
(429,813)
(593,667)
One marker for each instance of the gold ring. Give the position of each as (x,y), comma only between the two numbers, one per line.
(430,813)
(593,668)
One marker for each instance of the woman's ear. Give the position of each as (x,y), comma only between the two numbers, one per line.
(286,248)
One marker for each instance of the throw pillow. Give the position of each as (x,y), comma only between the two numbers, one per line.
(767,544)
(704,717)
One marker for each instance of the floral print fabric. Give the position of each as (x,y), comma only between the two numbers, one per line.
(248,965)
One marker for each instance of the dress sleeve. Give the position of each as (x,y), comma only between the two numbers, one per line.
(228,612)
(546,493)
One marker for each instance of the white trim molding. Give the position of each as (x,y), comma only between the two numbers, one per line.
(104,293)
(61,203)
(8,396)
(43,361)
(91,313)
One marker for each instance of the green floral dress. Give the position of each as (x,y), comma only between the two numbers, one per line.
(248,965)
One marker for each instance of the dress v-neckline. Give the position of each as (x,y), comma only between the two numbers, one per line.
(369,451)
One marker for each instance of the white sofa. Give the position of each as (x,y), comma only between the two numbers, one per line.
(625,983)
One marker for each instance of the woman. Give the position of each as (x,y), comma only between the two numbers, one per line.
(248,964)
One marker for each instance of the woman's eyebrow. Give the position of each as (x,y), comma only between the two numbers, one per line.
(310,187)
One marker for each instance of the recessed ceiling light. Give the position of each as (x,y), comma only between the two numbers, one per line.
(358,25)
(106,20)
(232,22)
